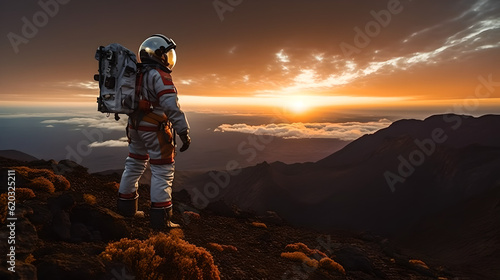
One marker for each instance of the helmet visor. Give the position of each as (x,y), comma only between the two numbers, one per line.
(171,58)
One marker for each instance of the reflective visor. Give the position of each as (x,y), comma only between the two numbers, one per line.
(171,58)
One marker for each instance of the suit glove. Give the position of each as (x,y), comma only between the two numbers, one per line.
(186,141)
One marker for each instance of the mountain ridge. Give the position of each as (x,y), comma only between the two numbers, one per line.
(460,159)
(17,155)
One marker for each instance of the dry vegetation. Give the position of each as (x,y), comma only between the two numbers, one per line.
(301,247)
(23,194)
(331,265)
(259,225)
(163,256)
(114,186)
(221,248)
(30,259)
(419,263)
(300,257)
(301,253)
(192,215)
(90,199)
(43,179)
(42,184)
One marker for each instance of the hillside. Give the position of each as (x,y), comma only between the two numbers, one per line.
(17,155)
(436,168)
(373,178)
(60,235)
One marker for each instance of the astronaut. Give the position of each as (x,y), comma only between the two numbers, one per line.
(150,133)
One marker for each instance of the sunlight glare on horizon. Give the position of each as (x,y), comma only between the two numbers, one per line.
(296,103)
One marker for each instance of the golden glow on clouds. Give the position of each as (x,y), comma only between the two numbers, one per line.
(347,131)
(295,71)
(282,57)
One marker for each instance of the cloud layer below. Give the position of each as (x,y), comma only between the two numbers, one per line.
(343,131)
(103,123)
(122,142)
(95,128)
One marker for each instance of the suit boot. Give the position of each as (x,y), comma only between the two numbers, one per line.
(161,218)
(128,207)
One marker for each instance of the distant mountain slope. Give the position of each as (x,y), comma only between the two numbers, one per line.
(466,234)
(17,155)
(458,130)
(433,183)
(360,186)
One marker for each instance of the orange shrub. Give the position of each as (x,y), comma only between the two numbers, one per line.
(90,199)
(301,247)
(137,255)
(259,225)
(23,171)
(331,265)
(114,186)
(30,259)
(23,194)
(31,173)
(230,248)
(163,257)
(42,184)
(300,257)
(187,261)
(221,248)
(61,183)
(176,233)
(419,263)
(317,253)
(193,215)
(216,246)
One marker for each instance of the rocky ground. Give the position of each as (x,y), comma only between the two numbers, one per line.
(60,235)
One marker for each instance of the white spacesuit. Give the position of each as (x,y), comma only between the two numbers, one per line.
(149,133)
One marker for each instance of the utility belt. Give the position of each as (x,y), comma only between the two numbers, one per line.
(161,124)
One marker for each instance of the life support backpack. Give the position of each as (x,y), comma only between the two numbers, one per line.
(118,70)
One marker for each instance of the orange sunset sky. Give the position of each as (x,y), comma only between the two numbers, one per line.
(261,54)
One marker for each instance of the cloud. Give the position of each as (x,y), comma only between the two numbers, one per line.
(103,123)
(282,56)
(480,32)
(122,142)
(477,28)
(186,82)
(319,57)
(232,49)
(98,122)
(90,85)
(343,131)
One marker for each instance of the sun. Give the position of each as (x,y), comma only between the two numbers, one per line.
(298,107)
(298,104)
